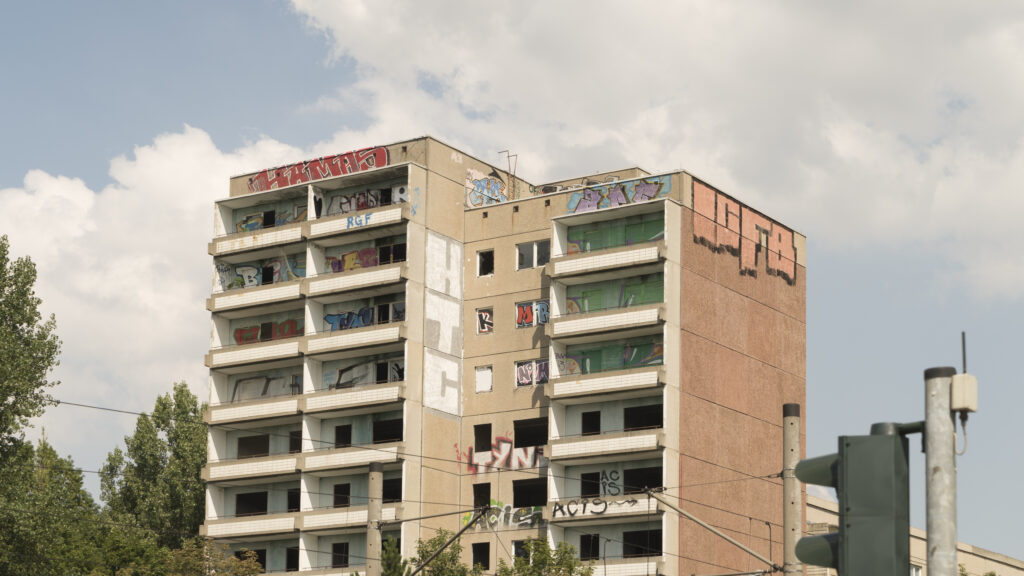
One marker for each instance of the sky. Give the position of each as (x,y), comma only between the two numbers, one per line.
(891,134)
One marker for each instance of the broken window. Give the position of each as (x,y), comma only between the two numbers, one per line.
(482,438)
(267,275)
(342,495)
(291,559)
(293,499)
(343,436)
(590,546)
(261,556)
(520,550)
(339,555)
(590,485)
(533,492)
(269,219)
(482,555)
(641,543)
(387,431)
(485,263)
(638,480)
(254,446)
(295,441)
(250,503)
(533,432)
(481,495)
(591,423)
(392,490)
(532,254)
(266,331)
(641,417)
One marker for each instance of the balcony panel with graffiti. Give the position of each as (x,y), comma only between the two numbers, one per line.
(263,394)
(629,231)
(359,382)
(501,516)
(259,272)
(279,326)
(386,309)
(273,223)
(614,294)
(599,357)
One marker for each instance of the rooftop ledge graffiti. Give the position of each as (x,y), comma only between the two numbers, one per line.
(318,169)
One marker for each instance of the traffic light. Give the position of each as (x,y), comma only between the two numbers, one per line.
(871,479)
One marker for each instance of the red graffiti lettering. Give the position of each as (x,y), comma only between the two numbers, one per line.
(247,335)
(318,169)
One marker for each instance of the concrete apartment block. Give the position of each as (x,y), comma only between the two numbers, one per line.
(548,351)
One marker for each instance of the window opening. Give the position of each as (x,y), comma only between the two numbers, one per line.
(392,490)
(591,423)
(266,331)
(533,492)
(261,556)
(641,417)
(387,431)
(481,495)
(482,555)
(641,543)
(590,546)
(482,438)
(254,446)
(295,441)
(520,550)
(342,495)
(533,432)
(293,499)
(485,263)
(291,559)
(637,480)
(250,504)
(343,436)
(339,555)
(267,275)
(269,218)
(590,485)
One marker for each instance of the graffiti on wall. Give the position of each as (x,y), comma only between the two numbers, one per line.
(610,484)
(530,313)
(248,275)
(724,225)
(268,331)
(646,354)
(531,372)
(363,372)
(484,190)
(618,194)
(587,506)
(485,321)
(366,199)
(351,319)
(569,364)
(256,220)
(265,386)
(318,169)
(361,258)
(502,456)
(500,515)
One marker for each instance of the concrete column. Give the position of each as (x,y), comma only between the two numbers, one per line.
(940,471)
(374,513)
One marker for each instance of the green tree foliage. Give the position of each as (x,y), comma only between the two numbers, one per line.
(447,562)
(29,349)
(391,562)
(200,557)
(49,523)
(542,560)
(155,480)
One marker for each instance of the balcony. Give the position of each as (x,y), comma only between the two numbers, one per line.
(273,465)
(615,385)
(255,296)
(604,510)
(341,518)
(633,259)
(256,352)
(361,220)
(607,447)
(346,571)
(357,397)
(352,456)
(633,320)
(640,566)
(357,279)
(351,339)
(263,525)
(263,238)
(253,409)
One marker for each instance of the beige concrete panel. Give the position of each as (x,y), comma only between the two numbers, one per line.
(504,394)
(443,204)
(505,336)
(529,215)
(418,195)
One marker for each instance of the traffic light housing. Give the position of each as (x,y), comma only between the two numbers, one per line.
(871,478)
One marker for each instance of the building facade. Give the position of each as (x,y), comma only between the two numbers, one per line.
(403,334)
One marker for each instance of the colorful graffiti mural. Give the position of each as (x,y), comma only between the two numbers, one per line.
(724,225)
(569,364)
(503,456)
(268,331)
(366,199)
(485,321)
(618,194)
(352,319)
(255,221)
(500,515)
(484,190)
(361,258)
(530,313)
(248,275)
(319,168)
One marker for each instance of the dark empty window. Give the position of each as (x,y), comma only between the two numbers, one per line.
(293,499)
(591,423)
(590,485)
(295,441)
(382,372)
(485,263)
(637,480)
(398,253)
(250,503)
(641,543)
(481,495)
(387,431)
(482,555)
(383,313)
(590,546)
(267,275)
(269,218)
(482,437)
(520,550)
(266,331)
(342,495)
(392,490)
(640,417)
(343,436)
(339,555)
(385,196)
(291,559)
(261,556)
(533,492)
(533,432)
(253,446)
(543,252)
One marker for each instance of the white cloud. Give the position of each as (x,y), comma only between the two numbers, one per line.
(867,125)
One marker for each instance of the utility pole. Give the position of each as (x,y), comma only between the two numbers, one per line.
(940,471)
(791,500)
(374,510)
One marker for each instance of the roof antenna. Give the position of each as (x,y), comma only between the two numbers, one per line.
(512,170)
(963,350)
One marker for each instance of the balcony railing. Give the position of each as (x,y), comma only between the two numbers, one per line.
(634,259)
(606,446)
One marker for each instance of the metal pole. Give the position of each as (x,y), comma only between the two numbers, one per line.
(940,471)
(791,500)
(374,509)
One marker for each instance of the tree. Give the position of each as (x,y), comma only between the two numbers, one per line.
(541,560)
(202,557)
(156,480)
(49,523)
(446,563)
(29,349)
(391,562)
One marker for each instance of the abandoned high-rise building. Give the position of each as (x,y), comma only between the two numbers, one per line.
(404,333)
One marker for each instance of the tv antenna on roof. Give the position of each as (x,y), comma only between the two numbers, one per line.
(511,170)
